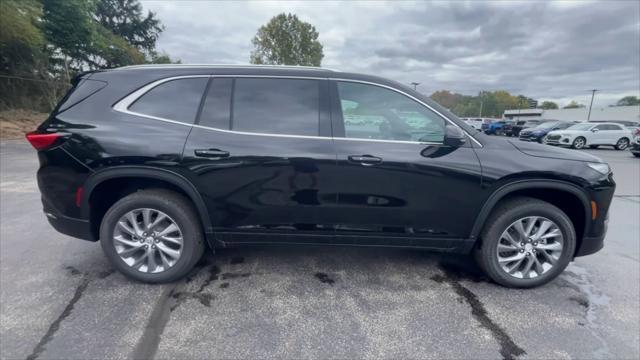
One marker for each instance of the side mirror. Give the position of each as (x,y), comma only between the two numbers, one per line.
(454,136)
(595,130)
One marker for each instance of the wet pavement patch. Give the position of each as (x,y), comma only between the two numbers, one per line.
(226,276)
(580,300)
(508,348)
(77,295)
(236,260)
(324,278)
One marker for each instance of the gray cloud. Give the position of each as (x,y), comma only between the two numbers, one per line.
(547,50)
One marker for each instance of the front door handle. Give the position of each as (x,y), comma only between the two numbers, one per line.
(365,159)
(212,153)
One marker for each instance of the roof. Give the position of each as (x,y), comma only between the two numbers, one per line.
(222,66)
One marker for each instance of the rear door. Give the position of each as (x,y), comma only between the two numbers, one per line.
(262,157)
(399,185)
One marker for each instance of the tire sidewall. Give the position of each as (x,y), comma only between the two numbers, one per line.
(626,144)
(190,236)
(501,223)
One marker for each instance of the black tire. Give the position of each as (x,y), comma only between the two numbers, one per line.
(579,143)
(501,218)
(593,146)
(179,209)
(622,144)
(636,154)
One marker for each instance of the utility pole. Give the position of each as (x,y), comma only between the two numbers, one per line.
(415,85)
(481,103)
(593,94)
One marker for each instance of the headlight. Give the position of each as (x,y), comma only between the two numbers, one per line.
(602,168)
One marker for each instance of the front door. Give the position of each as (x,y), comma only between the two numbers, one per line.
(399,184)
(262,157)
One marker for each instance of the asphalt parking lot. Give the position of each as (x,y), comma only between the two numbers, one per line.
(61,299)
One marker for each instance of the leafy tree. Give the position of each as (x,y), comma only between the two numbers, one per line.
(446,98)
(21,40)
(69,30)
(548,105)
(124,18)
(573,105)
(286,40)
(628,101)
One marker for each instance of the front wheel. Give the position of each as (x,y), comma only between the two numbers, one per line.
(622,144)
(152,236)
(526,243)
(579,143)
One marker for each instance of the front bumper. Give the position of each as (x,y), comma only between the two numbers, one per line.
(635,147)
(563,141)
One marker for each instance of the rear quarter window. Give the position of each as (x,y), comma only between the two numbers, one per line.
(176,100)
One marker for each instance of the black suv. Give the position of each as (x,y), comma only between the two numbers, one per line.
(160,161)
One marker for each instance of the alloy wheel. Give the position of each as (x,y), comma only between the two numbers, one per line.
(578,143)
(622,144)
(148,240)
(530,247)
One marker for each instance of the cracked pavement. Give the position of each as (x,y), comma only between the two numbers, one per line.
(59,297)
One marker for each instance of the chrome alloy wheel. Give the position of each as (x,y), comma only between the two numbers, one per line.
(148,240)
(530,247)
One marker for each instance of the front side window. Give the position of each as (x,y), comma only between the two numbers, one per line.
(174,100)
(276,106)
(373,112)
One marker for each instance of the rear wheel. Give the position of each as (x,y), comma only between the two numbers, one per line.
(152,236)
(526,243)
(579,143)
(622,144)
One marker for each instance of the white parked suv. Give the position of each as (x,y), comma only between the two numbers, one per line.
(591,134)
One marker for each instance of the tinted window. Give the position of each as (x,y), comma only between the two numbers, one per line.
(373,112)
(217,104)
(276,106)
(175,100)
(82,91)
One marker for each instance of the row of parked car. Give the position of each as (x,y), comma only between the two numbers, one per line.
(576,134)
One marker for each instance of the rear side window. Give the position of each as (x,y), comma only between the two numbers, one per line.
(83,90)
(276,106)
(174,100)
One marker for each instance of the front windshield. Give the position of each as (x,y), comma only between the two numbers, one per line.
(580,127)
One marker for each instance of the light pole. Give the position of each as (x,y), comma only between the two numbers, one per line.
(415,85)
(481,103)
(593,94)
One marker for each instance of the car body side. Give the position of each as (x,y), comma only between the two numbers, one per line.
(439,199)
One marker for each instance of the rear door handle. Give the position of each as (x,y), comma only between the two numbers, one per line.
(365,159)
(212,153)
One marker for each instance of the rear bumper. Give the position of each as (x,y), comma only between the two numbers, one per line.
(78,228)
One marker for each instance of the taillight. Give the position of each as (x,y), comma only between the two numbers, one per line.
(42,141)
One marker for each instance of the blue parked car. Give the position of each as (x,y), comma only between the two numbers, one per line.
(495,128)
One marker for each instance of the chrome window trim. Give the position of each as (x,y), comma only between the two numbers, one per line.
(124,104)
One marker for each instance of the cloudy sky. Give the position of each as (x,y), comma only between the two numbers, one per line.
(545,50)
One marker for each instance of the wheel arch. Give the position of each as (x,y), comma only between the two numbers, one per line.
(546,190)
(125,174)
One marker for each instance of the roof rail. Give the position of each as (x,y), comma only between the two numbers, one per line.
(173,66)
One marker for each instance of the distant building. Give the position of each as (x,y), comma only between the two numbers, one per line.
(628,113)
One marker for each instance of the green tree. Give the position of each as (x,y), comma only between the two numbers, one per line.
(446,98)
(69,29)
(286,40)
(573,105)
(21,40)
(628,101)
(548,105)
(125,18)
